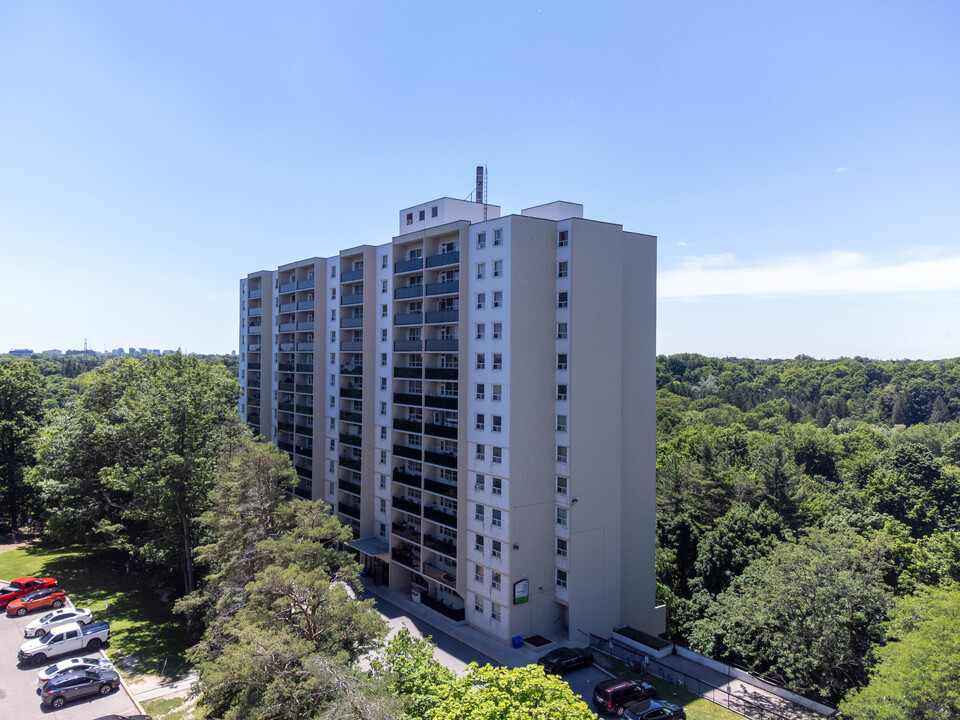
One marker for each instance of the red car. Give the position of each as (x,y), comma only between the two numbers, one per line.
(24,586)
(47,597)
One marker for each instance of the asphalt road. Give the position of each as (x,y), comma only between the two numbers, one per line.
(19,698)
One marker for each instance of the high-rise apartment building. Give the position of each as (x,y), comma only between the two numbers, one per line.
(476,399)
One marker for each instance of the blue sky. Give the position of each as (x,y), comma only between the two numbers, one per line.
(800,164)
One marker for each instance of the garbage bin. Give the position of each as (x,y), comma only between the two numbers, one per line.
(518,641)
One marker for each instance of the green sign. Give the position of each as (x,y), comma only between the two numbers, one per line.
(521,592)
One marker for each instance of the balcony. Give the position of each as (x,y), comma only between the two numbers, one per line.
(352,440)
(254,294)
(255,329)
(407,345)
(285,386)
(304,389)
(440,517)
(437,573)
(408,399)
(285,406)
(287,327)
(351,276)
(348,510)
(439,487)
(285,446)
(288,307)
(285,426)
(447,258)
(351,392)
(443,345)
(305,284)
(288,287)
(442,459)
(411,291)
(408,506)
(286,347)
(305,450)
(445,431)
(348,486)
(304,347)
(300,429)
(354,299)
(408,372)
(405,266)
(352,417)
(253,418)
(414,318)
(350,462)
(406,558)
(354,322)
(414,426)
(255,402)
(253,347)
(450,287)
(304,472)
(443,316)
(409,452)
(441,373)
(455,614)
(406,531)
(440,401)
(304,409)
(305,325)
(253,383)
(351,369)
(253,366)
(255,312)
(441,546)
(304,368)
(408,479)
(351,346)
(305,305)
(286,367)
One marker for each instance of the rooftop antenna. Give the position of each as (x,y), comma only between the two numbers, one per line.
(481,191)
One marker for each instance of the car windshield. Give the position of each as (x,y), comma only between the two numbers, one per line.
(47,638)
(50,670)
(46,618)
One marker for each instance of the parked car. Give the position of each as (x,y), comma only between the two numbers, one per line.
(47,597)
(613,697)
(78,684)
(23,586)
(65,639)
(42,625)
(65,666)
(654,710)
(563,659)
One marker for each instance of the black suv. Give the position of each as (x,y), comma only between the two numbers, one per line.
(612,697)
(655,710)
(563,659)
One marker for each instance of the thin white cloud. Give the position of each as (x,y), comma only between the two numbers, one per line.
(831,273)
(682,243)
(842,169)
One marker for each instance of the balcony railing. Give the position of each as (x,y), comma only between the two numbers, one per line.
(408,479)
(439,401)
(442,459)
(406,451)
(408,399)
(305,305)
(285,426)
(253,419)
(253,366)
(351,276)
(414,426)
(255,312)
(288,307)
(305,450)
(408,506)
(441,373)
(353,322)
(351,369)
(254,294)
(352,346)
(441,546)
(406,558)
(304,472)
(288,287)
(443,345)
(304,389)
(447,578)
(354,392)
(253,383)
(300,429)
(348,486)
(286,347)
(304,347)
(255,329)
(407,345)
(353,417)
(287,327)
(411,291)
(350,462)
(304,368)
(408,372)
(445,431)
(253,347)
(352,440)
(286,386)
(443,288)
(349,510)
(407,532)
(305,325)
(405,266)
(440,488)
(285,446)
(443,316)
(305,284)
(455,614)
(447,258)
(285,406)
(414,318)
(354,299)
(438,516)
(286,367)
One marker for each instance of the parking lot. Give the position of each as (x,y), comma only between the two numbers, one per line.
(18,683)
(582,682)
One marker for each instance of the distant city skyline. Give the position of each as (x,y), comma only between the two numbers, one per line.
(800,165)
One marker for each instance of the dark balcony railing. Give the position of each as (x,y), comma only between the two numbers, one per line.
(408,372)
(407,425)
(355,299)
(304,389)
(302,429)
(440,517)
(447,258)
(351,369)
(440,401)
(286,426)
(408,265)
(305,409)
(285,406)
(254,294)
(407,532)
(444,431)
(447,578)
(405,451)
(443,288)
(455,614)
(414,318)
(411,291)
(305,284)
(443,316)
(443,345)
(441,546)
(305,450)
(354,392)
(407,345)
(406,558)
(353,322)
(351,346)
(253,366)
(408,506)
(350,462)
(253,419)
(441,459)
(254,402)
(305,305)
(285,386)
(285,446)
(353,417)
(301,492)
(253,383)
(304,472)
(288,287)
(351,276)
(441,373)
(349,510)
(304,368)
(408,399)
(350,487)
(440,488)
(408,479)
(286,367)
(353,440)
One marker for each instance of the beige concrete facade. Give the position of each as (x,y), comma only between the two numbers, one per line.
(477,403)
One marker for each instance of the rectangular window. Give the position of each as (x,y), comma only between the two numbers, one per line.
(333,358)
(478,604)
(496,517)
(497,423)
(333,402)
(561,547)
(561,361)
(498,268)
(333,380)
(497,486)
(497,360)
(495,549)
(383,359)
(333,272)
(383,261)
(498,455)
(481,270)
(481,360)
(383,334)
(383,457)
(563,239)
(498,299)
(563,300)
(333,316)
(561,453)
(562,516)
(561,392)
(383,408)
(381,529)
(561,578)
(333,336)
(479,483)
(422,215)
(561,485)
(383,505)
(497,331)
(563,269)
(333,423)
(480,421)
(481,452)
(383,433)
(479,391)
(481,300)
(561,423)
(383,383)
(383,311)
(494,612)
(478,513)
(562,331)
(481,240)
(481,330)
(478,543)
(498,236)
(383,286)
(495,581)
(434,211)
(478,573)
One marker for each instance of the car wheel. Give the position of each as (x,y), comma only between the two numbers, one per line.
(94,643)
(21,612)
(57,702)
(106,689)
(58,603)
(40,633)
(620,710)
(38,659)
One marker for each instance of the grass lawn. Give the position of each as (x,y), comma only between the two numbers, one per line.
(141,626)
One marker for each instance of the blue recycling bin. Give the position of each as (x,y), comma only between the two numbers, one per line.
(518,641)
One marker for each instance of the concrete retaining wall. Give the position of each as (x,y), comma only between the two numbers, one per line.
(641,648)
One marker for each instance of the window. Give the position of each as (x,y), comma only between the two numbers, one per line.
(383,408)
(409,218)
(497,423)
(333,358)
(422,215)
(561,485)
(383,457)
(333,402)
(333,293)
(479,424)
(498,299)
(481,452)
(333,423)
(383,261)
(481,240)
(498,268)
(330,488)
(478,543)
(562,331)
(383,505)
(434,211)
(498,455)
(333,380)
(561,578)
(479,391)
(562,516)
(562,453)
(563,239)
(561,547)
(333,272)
(482,300)
(383,334)
(333,465)
(497,487)
(481,360)
(383,359)
(478,603)
(497,359)
(478,573)
(494,612)
(478,513)
(383,383)
(561,361)
(495,581)
(479,483)
(333,336)
(383,311)
(481,330)
(561,392)
(333,444)
(561,423)
(496,517)
(495,549)
(381,530)
(481,271)
(333,316)
(498,236)
(383,286)
(497,393)
(497,331)
(563,300)
(563,269)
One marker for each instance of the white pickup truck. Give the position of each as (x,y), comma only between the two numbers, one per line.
(64,639)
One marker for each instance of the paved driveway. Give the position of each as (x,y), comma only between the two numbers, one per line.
(583,681)
(18,683)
